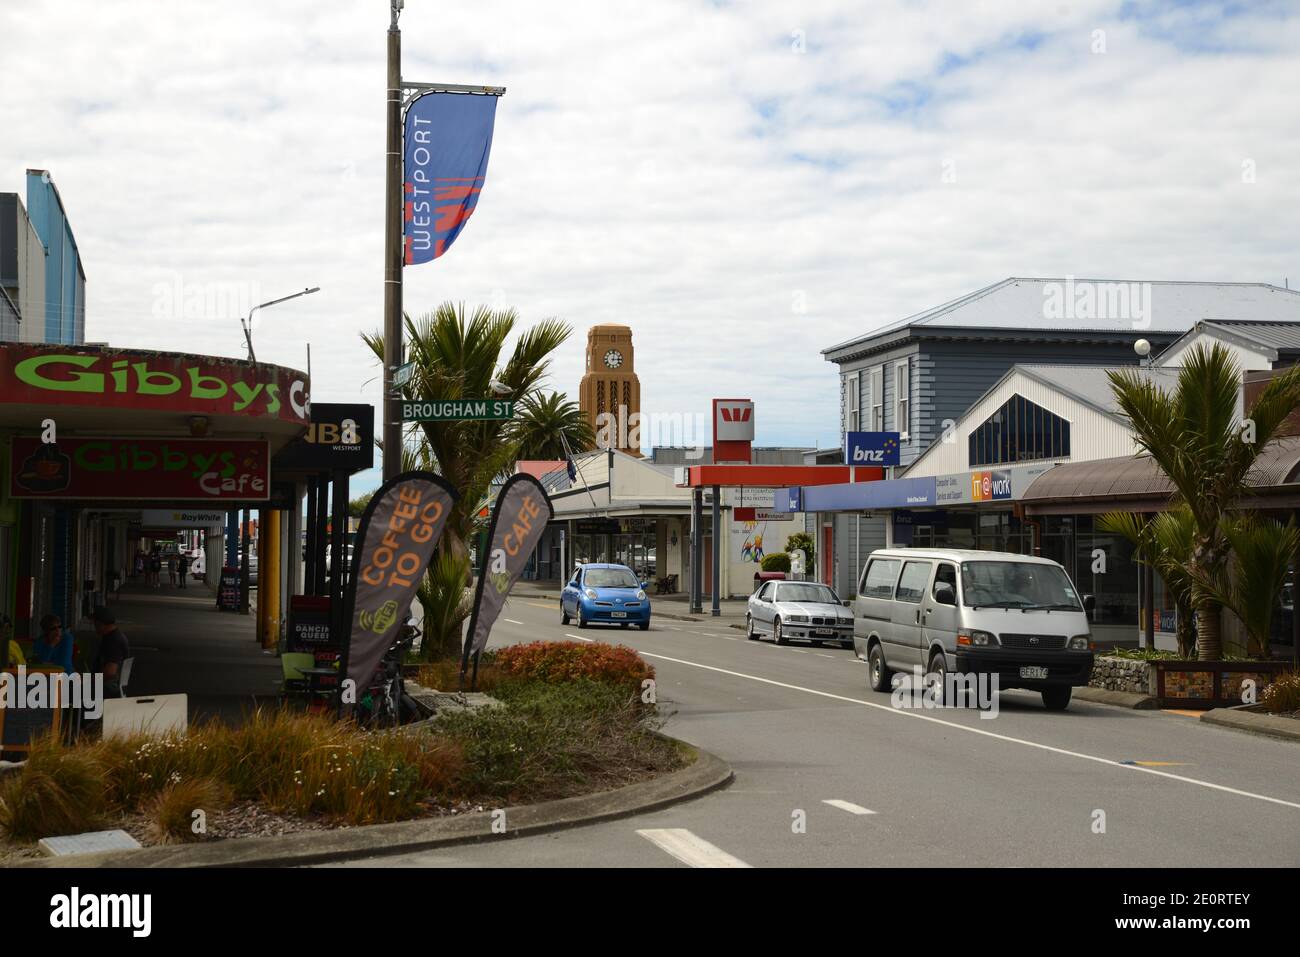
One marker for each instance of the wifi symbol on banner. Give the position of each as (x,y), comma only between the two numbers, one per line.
(367,619)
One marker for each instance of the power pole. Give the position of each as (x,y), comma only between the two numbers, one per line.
(392,430)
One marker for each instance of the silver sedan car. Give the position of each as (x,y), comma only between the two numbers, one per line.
(804,610)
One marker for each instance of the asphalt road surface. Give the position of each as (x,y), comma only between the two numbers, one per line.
(827,772)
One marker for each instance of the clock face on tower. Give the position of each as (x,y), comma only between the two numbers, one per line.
(613,358)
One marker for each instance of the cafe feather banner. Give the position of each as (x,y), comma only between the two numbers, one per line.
(448,141)
(522,510)
(395,541)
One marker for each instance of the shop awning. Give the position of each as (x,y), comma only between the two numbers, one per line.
(1136,484)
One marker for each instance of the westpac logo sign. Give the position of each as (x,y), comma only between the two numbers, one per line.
(733,420)
(871,448)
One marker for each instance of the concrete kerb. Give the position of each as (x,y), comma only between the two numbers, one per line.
(1242,718)
(1117,699)
(706,774)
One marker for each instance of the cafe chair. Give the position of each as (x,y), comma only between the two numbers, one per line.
(291,665)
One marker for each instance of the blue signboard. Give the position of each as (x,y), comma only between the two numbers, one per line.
(871,448)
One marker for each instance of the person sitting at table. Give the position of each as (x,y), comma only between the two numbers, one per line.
(54,645)
(13,651)
(113,651)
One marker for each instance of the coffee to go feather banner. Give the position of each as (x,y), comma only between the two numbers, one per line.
(398,533)
(522,510)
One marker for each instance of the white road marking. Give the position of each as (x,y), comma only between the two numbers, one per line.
(579,637)
(820,655)
(848,806)
(988,734)
(512,621)
(689,848)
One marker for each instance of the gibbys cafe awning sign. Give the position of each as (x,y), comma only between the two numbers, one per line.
(36,375)
(140,469)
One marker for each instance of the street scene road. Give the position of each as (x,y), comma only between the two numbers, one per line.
(692,435)
(878,786)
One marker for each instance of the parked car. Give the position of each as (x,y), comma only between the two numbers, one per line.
(1016,616)
(803,610)
(605,593)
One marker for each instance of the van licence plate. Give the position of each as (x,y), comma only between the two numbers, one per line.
(618,614)
(1033,671)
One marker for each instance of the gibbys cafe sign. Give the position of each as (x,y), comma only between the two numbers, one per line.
(162,381)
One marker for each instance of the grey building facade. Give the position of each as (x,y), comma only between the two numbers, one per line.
(918,375)
(22,274)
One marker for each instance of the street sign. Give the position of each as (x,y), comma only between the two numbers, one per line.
(403,374)
(451,410)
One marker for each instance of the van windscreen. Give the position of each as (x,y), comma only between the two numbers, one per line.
(1017,585)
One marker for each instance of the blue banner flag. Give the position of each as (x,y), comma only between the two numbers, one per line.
(448,139)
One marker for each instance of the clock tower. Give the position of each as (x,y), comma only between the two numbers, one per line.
(610,392)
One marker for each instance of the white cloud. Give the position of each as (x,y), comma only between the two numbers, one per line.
(675,166)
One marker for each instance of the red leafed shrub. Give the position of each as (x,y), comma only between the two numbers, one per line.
(571,661)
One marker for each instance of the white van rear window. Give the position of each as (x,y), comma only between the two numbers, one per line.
(880,578)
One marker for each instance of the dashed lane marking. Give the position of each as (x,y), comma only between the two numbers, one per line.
(848,806)
(689,848)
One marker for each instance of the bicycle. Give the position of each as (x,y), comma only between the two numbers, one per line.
(386,703)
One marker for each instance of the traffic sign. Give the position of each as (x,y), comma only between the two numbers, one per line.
(453,410)
(403,374)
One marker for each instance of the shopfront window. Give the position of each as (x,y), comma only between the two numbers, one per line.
(1104,567)
(635,548)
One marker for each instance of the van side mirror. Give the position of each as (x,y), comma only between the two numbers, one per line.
(944,594)
(1089,602)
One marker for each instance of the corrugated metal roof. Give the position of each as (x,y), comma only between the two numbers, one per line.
(1173,307)
(1091,384)
(1282,336)
(1140,477)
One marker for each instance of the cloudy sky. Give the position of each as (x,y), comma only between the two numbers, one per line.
(742,183)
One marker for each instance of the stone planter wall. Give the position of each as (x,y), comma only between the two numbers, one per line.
(1121,674)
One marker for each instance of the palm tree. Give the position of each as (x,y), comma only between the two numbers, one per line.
(546,423)
(1194,436)
(459,356)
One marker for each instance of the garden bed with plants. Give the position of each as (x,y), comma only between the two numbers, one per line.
(1281,698)
(578,719)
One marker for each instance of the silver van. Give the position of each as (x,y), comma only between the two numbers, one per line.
(970,612)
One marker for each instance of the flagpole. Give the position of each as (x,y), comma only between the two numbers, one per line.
(568,452)
(392,428)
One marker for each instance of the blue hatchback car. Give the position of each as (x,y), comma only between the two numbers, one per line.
(605,593)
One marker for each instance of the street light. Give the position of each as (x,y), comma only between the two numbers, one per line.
(248,323)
